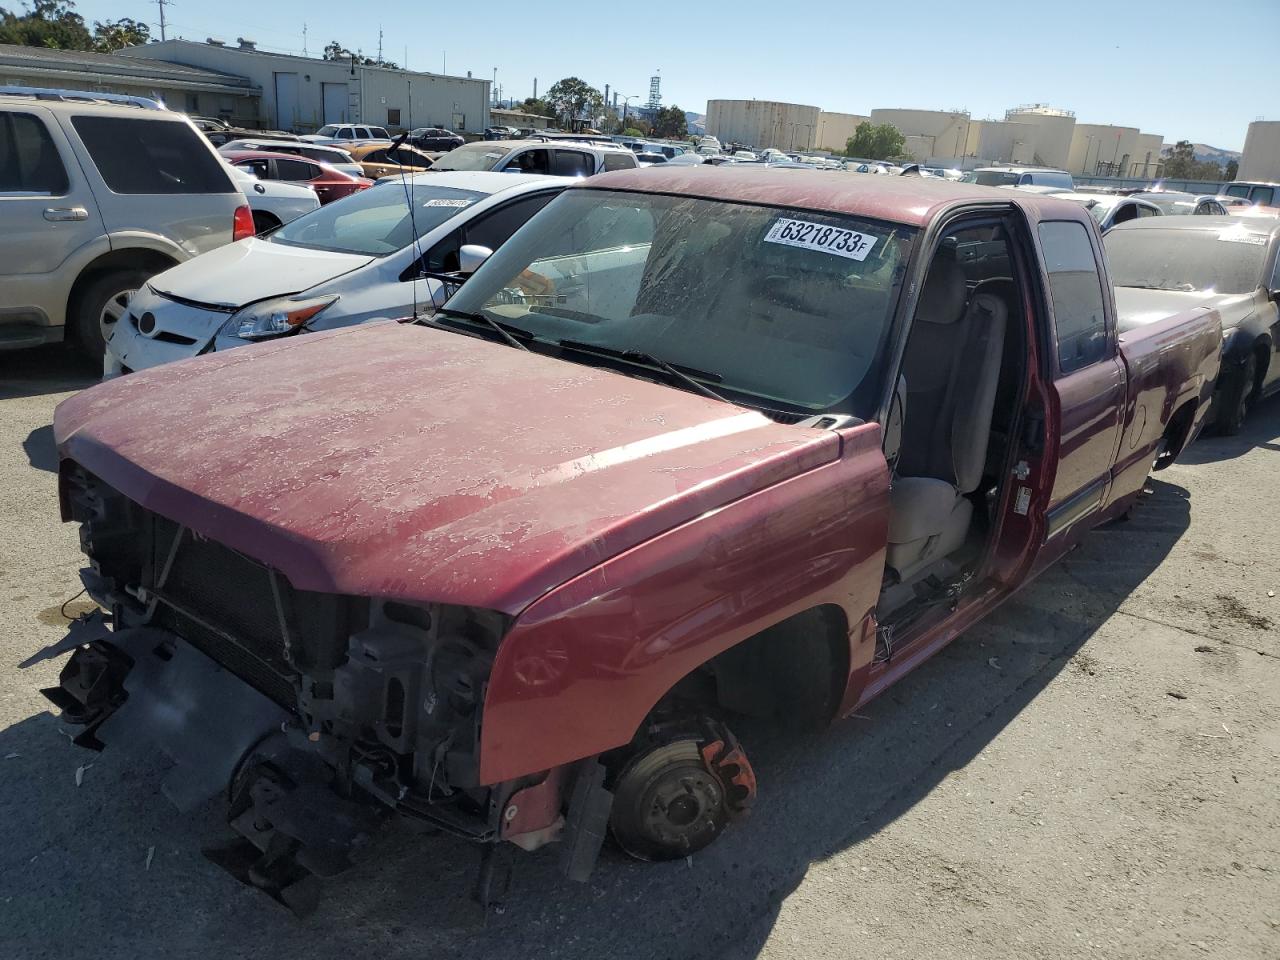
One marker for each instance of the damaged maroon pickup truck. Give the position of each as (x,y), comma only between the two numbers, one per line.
(695,445)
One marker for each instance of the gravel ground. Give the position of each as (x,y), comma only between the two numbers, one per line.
(1094,771)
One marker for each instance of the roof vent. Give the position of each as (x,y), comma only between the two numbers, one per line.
(215,43)
(247,44)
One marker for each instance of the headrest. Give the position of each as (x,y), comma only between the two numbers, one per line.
(942,299)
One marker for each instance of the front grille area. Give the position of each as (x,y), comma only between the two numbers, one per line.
(241,613)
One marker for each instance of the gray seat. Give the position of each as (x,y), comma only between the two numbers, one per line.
(951,369)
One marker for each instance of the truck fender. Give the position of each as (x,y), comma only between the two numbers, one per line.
(582,667)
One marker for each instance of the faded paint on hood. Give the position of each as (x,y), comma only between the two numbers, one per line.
(401,461)
(1138,307)
(251,270)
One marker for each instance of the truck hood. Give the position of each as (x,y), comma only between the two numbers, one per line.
(252,270)
(1137,307)
(402,461)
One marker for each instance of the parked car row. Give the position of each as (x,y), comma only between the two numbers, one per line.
(682,447)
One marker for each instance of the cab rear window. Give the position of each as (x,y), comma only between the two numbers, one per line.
(151,156)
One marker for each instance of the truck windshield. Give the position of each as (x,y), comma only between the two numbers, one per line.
(1219,261)
(773,304)
(991,178)
(376,222)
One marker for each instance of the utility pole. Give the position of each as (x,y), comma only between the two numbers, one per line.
(162,4)
(304,38)
(379,44)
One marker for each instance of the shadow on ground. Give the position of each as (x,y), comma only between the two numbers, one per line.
(43,370)
(1262,429)
(75,863)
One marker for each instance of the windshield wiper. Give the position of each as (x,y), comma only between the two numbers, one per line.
(686,375)
(507,331)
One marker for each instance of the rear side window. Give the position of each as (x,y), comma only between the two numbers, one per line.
(1237,190)
(1263,195)
(1076,292)
(619,161)
(571,163)
(29,161)
(295,170)
(138,156)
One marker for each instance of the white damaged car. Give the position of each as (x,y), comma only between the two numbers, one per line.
(349,262)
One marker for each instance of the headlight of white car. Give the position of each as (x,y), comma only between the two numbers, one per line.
(274,318)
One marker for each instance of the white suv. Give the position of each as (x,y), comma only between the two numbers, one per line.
(348,131)
(97,194)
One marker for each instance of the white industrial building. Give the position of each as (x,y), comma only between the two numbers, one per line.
(763,123)
(1261,160)
(304,93)
(835,130)
(186,88)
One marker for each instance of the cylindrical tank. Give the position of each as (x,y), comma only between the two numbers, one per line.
(1261,160)
(929,133)
(1101,149)
(763,123)
(1051,142)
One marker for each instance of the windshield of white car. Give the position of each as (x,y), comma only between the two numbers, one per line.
(991,178)
(789,308)
(472,156)
(376,222)
(1218,261)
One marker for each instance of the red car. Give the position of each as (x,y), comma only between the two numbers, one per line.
(748,443)
(328,183)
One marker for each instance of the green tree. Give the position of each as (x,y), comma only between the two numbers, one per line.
(1232,171)
(46,23)
(333,50)
(1180,163)
(670,122)
(571,99)
(115,35)
(881,141)
(537,105)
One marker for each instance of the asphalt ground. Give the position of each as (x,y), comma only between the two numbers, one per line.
(1094,771)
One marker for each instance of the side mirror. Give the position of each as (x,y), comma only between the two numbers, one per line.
(471,256)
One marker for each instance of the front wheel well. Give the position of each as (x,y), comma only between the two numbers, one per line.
(148,261)
(793,672)
(1176,434)
(1262,352)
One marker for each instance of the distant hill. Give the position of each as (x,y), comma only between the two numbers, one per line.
(1203,152)
(697,122)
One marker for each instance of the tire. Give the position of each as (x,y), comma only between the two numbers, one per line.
(263,222)
(1239,397)
(100,306)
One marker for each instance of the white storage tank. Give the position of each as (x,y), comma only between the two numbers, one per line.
(1102,150)
(1050,144)
(1261,160)
(763,123)
(940,134)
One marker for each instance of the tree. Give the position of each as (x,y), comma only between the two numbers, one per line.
(536,105)
(670,122)
(333,50)
(881,141)
(46,23)
(1180,163)
(1232,171)
(117,34)
(572,99)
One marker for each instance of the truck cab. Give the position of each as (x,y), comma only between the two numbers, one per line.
(690,447)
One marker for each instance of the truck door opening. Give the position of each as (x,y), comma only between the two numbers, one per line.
(953,419)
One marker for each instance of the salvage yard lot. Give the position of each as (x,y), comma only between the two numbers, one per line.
(1093,771)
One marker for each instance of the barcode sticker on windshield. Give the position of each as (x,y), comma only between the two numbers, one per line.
(821,237)
(440,202)
(1240,236)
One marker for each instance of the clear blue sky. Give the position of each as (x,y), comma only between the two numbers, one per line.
(1194,71)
